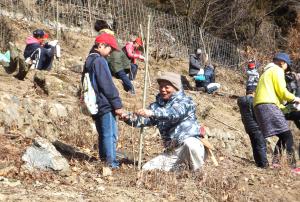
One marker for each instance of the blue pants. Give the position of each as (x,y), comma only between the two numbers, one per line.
(133,71)
(127,85)
(107,141)
(44,57)
(259,148)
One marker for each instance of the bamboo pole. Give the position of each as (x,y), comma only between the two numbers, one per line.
(142,35)
(90,17)
(144,93)
(202,40)
(57,23)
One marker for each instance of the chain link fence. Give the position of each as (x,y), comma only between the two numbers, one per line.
(171,36)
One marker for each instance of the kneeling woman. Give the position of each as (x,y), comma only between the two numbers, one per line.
(174,114)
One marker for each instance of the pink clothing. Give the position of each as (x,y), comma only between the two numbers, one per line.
(132,53)
(31,40)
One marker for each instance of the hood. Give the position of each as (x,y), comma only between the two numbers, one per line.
(32,40)
(91,58)
(108,31)
(269,66)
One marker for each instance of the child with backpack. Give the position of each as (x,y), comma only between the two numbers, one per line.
(118,62)
(109,104)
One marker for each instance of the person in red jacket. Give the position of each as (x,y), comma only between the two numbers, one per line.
(132,52)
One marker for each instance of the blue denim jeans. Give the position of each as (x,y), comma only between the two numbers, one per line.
(107,140)
(127,85)
(133,71)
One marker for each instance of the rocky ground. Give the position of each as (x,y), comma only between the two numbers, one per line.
(27,112)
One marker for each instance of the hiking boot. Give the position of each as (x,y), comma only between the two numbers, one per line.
(23,69)
(291,160)
(132,92)
(13,65)
(200,89)
(212,89)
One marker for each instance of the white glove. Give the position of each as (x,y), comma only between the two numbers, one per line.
(53,43)
(201,72)
(297,100)
(58,54)
(142,57)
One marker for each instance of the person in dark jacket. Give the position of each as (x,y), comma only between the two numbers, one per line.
(38,51)
(107,96)
(292,84)
(118,61)
(208,83)
(258,142)
(196,62)
(203,73)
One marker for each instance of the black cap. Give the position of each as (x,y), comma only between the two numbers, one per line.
(39,33)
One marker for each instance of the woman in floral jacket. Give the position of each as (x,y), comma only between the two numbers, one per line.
(174,114)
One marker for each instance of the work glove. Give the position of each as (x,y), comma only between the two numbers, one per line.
(142,58)
(53,43)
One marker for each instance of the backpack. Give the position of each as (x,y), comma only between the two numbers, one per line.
(89,93)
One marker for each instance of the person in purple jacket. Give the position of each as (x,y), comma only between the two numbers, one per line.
(107,96)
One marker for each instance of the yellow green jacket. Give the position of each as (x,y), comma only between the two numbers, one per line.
(271,88)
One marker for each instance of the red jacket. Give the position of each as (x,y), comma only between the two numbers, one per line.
(132,53)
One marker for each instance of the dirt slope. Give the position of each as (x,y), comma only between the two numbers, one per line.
(236,179)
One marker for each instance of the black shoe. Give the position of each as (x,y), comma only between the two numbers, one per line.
(132,92)
(23,70)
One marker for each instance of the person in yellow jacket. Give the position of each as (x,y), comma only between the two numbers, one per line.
(271,94)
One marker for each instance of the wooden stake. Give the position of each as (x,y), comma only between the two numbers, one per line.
(202,40)
(144,94)
(142,35)
(90,16)
(57,22)
(208,146)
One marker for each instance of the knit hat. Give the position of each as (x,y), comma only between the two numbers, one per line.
(173,78)
(107,39)
(283,57)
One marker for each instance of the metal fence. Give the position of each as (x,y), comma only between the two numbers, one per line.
(170,35)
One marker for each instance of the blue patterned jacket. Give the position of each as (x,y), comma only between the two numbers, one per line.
(175,119)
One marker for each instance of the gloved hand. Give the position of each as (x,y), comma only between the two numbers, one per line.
(142,58)
(201,72)
(145,113)
(297,100)
(53,43)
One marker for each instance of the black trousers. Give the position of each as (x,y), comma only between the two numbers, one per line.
(285,142)
(259,148)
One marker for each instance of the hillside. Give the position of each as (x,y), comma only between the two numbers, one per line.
(27,112)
